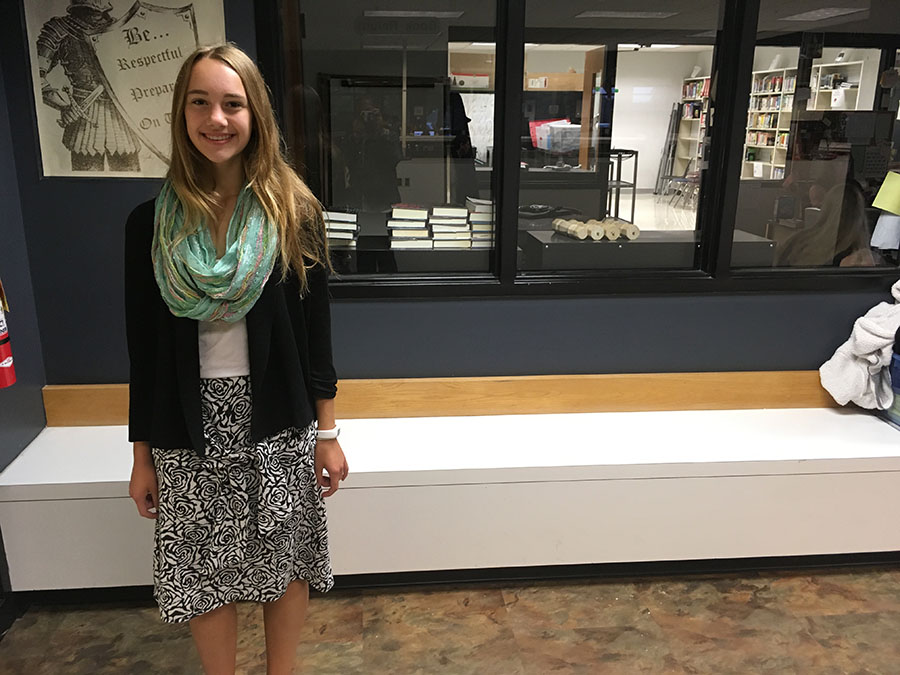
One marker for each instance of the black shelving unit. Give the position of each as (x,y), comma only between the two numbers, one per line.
(615,185)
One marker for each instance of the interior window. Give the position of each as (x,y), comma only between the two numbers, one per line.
(820,144)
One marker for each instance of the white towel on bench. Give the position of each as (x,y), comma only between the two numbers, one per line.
(858,371)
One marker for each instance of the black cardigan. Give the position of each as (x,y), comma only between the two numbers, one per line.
(289,341)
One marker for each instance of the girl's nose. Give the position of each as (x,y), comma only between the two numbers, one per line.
(216,114)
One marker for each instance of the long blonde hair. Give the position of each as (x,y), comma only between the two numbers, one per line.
(286,199)
(839,231)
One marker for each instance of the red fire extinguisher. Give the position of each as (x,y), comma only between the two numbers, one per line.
(7,370)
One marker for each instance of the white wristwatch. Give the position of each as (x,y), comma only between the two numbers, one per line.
(327,434)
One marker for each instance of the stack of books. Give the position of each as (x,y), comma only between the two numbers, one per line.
(481,222)
(450,227)
(408,226)
(341,229)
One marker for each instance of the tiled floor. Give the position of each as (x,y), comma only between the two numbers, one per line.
(652,212)
(819,623)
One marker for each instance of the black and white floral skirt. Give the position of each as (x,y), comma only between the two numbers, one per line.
(242,522)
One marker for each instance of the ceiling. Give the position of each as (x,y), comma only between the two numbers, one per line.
(351,23)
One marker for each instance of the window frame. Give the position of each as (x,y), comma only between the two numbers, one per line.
(731,80)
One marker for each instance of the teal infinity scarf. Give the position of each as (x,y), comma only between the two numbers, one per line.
(196,285)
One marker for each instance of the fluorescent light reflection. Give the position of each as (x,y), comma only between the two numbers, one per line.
(410,14)
(823,13)
(611,14)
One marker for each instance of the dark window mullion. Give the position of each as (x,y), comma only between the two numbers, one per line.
(270,51)
(887,61)
(510,57)
(730,91)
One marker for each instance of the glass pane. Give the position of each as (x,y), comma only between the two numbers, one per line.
(390,115)
(819,139)
(614,127)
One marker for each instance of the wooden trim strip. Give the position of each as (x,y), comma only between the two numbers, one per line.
(85,405)
(580,393)
(98,404)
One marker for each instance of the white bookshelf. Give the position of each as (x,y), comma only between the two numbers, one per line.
(832,95)
(692,125)
(768,124)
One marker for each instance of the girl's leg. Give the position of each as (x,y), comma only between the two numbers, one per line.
(215,634)
(283,621)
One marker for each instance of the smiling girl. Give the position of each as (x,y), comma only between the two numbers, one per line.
(232,383)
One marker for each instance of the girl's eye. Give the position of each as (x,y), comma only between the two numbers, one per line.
(235,104)
(197,101)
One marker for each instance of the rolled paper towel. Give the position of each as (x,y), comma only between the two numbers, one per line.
(595,229)
(561,225)
(612,229)
(571,228)
(631,231)
(579,229)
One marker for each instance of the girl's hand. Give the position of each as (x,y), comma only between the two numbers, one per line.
(330,458)
(143,487)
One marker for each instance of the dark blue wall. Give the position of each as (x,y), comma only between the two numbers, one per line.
(593,335)
(21,406)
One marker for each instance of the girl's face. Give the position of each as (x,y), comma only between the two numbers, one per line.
(216,113)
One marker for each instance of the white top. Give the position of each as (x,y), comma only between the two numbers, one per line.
(223,349)
(94,461)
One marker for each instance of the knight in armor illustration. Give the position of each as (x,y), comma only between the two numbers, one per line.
(94,131)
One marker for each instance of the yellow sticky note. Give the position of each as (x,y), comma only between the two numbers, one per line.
(888,197)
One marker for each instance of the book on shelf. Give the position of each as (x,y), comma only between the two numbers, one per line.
(476,205)
(405,224)
(451,243)
(482,235)
(767,83)
(696,88)
(833,81)
(449,212)
(339,216)
(410,234)
(451,235)
(439,227)
(484,243)
(691,110)
(762,138)
(481,218)
(409,212)
(340,243)
(766,102)
(448,221)
(340,226)
(340,235)
(482,227)
(412,243)
(763,120)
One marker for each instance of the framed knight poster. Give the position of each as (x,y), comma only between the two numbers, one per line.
(103,72)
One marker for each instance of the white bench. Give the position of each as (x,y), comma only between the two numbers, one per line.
(504,491)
